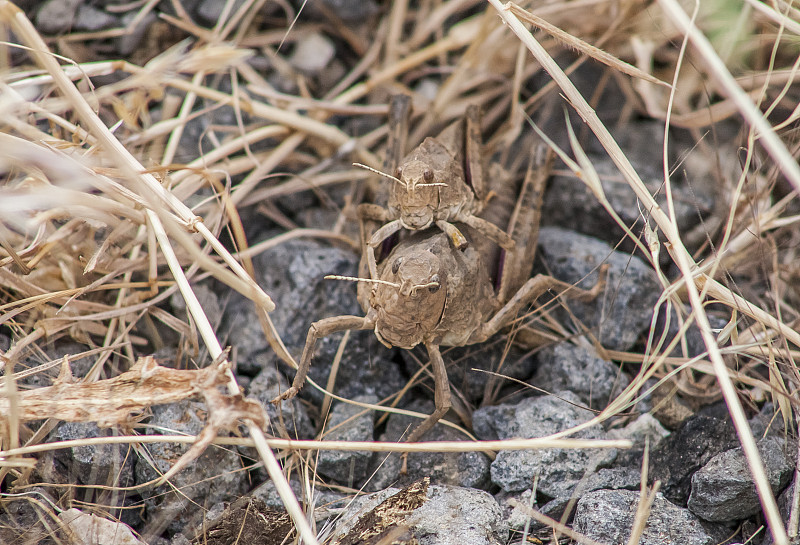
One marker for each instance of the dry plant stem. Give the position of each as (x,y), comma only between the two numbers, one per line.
(679,253)
(375,446)
(23,27)
(773,144)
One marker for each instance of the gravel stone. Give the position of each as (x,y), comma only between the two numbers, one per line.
(209,11)
(564,366)
(266,386)
(90,19)
(466,469)
(465,362)
(127,44)
(91,529)
(644,428)
(210,479)
(208,299)
(312,53)
(110,465)
(348,467)
(567,197)
(457,516)
(347,10)
(56,16)
(560,470)
(626,307)
(675,459)
(323,500)
(607,516)
(723,489)
(21,520)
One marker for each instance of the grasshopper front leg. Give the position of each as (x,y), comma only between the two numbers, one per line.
(319,329)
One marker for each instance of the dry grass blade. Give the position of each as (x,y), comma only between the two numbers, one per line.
(571,41)
(552,523)
(677,250)
(137,196)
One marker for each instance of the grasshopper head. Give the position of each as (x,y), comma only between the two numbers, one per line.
(410,308)
(418,196)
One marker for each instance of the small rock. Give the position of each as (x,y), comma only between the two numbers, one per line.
(348,467)
(108,465)
(210,479)
(620,314)
(56,16)
(644,428)
(608,478)
(21,519)
(208,300)
(567,197)
(559,470)
(457,516)
(695,345)
(467,469)
(564,366)
(312,53)
(607,516)
(785,508)
(676,458)
(88,529)
(723,489)
(450,515)
(292,274)
(90,19)
(290,415)
(322,500)
(664,403)
(347,10)
(466,363)
(127,44)
(209,11)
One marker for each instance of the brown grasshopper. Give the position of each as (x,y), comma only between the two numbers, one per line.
(428,292)
(439,182)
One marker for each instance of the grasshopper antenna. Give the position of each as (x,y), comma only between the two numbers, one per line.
(376,171)
(356,279)
(396,179)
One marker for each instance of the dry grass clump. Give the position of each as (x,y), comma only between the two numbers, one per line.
(101,219)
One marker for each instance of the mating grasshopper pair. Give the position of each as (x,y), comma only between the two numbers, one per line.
(449,285)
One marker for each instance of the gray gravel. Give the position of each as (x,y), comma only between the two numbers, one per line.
(458,516)
(680,455)
(348,424)
(466,469)
(723,489)
(564,366)
(559,470)
(607,516)
(209,480)
(626,308)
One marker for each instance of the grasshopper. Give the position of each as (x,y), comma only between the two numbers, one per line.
(438,183)
(426,291)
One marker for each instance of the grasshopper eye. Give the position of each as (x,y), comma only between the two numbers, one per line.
(435,287)
(396,265)
(428,175)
